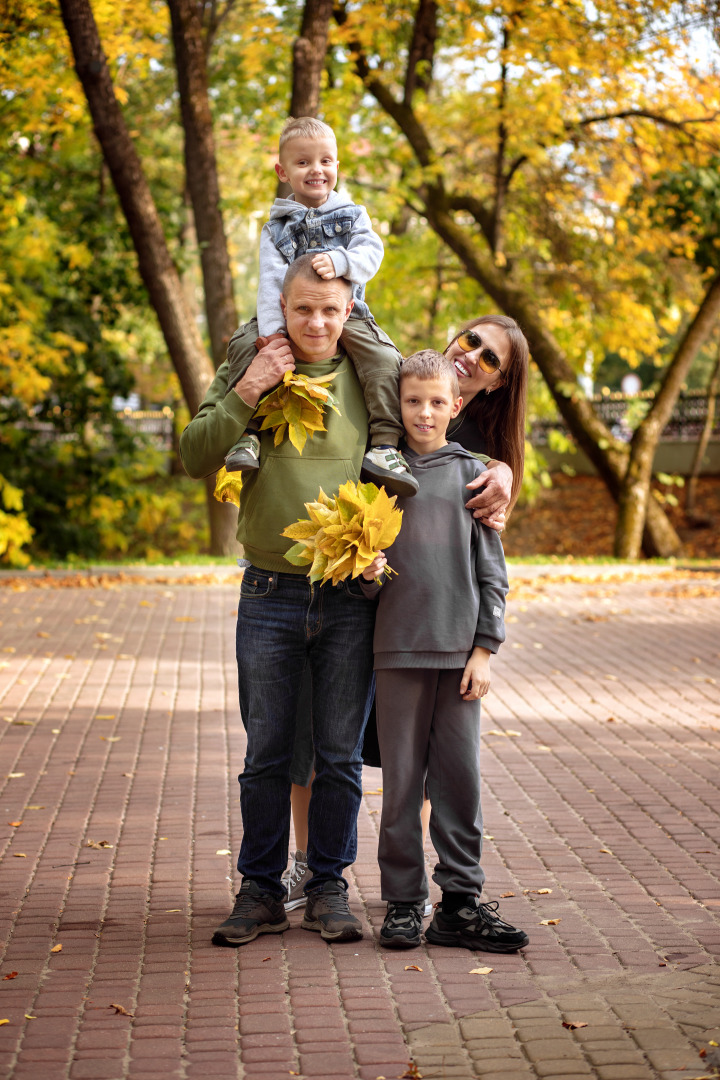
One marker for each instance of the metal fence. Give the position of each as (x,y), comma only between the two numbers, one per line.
(622,412)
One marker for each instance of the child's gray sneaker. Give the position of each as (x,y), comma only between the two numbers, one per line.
(254,912)
(385,465)
(295,879)
(245,455)
(328,912)
(402,926)
(427,908)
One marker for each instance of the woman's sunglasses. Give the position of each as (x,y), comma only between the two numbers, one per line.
(469,341)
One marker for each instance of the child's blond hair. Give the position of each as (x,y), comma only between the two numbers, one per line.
(305,127)
(429,364)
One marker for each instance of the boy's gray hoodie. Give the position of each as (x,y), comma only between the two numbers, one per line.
(339,226)
(449,592)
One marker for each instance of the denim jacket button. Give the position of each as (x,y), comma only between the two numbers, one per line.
(338,228)
(313,243)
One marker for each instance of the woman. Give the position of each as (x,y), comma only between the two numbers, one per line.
(490,355)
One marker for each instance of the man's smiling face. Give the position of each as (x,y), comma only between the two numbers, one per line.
(315,314)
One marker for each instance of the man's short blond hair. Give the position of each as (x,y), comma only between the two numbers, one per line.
(305,127)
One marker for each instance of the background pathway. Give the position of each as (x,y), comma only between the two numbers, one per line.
(120,743)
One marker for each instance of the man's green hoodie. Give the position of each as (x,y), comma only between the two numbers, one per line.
(274,497)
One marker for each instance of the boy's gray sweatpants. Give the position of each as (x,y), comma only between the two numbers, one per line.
(376,362)
(424,724)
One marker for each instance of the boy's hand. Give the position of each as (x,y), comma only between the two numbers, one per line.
(265,371)
(375,569)
(261,342)
(323,265)
(494,497)
(475,682)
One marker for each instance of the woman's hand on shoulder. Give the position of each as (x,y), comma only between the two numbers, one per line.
(494,488)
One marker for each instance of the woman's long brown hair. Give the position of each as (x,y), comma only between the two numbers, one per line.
(500,416)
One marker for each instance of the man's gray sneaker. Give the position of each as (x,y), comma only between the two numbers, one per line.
(328,911)
(475,926)
(254,913)
(245,455)
(295,879)
(385,465)
(402,926)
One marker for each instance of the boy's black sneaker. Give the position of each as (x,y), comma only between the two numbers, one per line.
(245,455)
(475,926)
(328,911)
(402,926)
(254,912)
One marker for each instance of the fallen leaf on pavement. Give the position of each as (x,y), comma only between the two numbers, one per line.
(98,844)
(376,791)
(15,775)
(120,1009)
(573,1024)
(29,1017)
(4,1021)
(411,1073)
(42,633)
(605,851)
(412,967)
(35,806)
(265,959)
(14,823)
(504,895)
(223,851)
(10,975)
(19,855)
(56,948)
(549,922)
(184,618)
(111,738)
(481,971)
(105,716)
(510,734)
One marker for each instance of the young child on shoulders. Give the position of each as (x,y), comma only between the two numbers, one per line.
(319,221)
(439,620)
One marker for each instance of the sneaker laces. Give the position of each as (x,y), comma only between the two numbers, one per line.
(246,902)
(403,914)
(336,902)
(297,872)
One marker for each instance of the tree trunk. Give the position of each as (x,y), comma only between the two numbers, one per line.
(691,491)
(202,174)
(635,493)
(309,57)
(156,267)
(157,270)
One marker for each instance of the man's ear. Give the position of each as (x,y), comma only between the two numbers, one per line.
(348,309)
(282,175)
(283,305)
(456,407)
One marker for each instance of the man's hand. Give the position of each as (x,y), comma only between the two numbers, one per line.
(495,486)
(323,265)
(475,682)
(265,371)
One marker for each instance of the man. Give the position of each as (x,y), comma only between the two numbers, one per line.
(285,622)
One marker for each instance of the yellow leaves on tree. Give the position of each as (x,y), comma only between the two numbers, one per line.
(15,530)
(295,407)
(343,535)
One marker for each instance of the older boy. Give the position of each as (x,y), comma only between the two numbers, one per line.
(438,622)
(317,220)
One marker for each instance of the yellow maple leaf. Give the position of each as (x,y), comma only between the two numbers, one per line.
(228,486)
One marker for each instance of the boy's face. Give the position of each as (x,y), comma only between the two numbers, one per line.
(427,406)
(310,167)
(315,313)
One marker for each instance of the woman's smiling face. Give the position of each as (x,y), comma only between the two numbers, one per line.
(472,377)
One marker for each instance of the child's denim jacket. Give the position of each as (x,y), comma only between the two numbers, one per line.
(340,227)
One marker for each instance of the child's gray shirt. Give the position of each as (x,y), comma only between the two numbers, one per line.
(340,227)
(449,592)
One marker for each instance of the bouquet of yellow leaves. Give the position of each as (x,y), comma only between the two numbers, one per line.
(296,407)
(343,535)
(228,486)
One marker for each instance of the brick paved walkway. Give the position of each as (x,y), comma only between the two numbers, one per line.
(121,742)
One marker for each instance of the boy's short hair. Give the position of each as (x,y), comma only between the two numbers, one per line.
(305,127)
(429,364)
(303,268)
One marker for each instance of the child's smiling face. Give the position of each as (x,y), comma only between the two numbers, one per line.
(427,407)
(310,167)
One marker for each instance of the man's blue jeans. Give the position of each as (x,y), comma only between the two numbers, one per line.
(284,622)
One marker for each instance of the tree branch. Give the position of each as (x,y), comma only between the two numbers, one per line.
(422,50)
